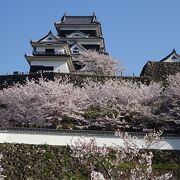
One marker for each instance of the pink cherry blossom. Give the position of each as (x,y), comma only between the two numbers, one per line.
(99,63)
(110,158)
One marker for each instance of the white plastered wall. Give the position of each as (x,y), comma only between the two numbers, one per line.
(170,59)
(57,50)
(59,66)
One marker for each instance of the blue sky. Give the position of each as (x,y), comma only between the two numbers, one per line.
(134,31)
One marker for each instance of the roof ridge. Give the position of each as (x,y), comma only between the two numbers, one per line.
(173,51)
(49,33)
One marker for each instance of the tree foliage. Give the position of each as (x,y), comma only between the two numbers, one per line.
(39,103)
(43,103)
(119,162)
(100,63)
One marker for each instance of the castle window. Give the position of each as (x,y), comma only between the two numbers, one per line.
(48,68)
(77,35)
(174,57)
(49,51)
(50,38)
(41,68)
(75,50)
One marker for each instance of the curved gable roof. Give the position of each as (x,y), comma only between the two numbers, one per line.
(50,37)
(172,57)
(76,34)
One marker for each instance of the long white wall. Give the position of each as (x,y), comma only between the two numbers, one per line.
(168,143)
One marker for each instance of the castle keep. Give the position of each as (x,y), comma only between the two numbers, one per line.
(59,53)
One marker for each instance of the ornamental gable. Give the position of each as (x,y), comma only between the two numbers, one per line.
(49,38)
(77,48)
(172,57)
(77,34)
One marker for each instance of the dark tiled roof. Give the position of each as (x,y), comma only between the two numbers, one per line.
(158,71)
(78,19)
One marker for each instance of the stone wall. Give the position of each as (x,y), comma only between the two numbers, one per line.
(158,71)
(9,80)
(56,163)
(152,71)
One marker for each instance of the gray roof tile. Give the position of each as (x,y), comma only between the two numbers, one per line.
(78,19)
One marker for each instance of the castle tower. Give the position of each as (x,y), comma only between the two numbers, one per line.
(82,33)
(60,53)
(49,54)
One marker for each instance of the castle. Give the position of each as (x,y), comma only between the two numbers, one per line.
(75,34)
(59,53)
(159,70)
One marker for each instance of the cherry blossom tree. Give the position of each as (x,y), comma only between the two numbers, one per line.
(100,63)
(115,99)
(172,99)
(38,103)
(169,110)
(119,162)
(96,176)
(173,84)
